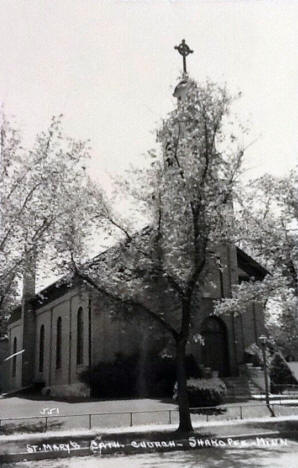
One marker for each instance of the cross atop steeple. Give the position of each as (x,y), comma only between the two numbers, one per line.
(184,50)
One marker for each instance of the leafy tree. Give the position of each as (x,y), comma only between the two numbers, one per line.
(186,194)
(267,228)
(43,198)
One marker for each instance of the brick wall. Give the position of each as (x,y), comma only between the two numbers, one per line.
(28,323)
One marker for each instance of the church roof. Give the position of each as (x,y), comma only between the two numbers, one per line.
(46,295)
(250,266)
(15,315)
(65,284)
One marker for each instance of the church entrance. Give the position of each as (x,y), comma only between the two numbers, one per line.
(215,349)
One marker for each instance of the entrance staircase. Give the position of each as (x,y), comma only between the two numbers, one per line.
(240,388)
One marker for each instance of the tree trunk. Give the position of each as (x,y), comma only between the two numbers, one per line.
(183,401)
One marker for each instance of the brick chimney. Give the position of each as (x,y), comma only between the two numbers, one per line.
(28,321)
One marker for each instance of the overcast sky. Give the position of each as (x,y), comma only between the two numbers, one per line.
(110,67)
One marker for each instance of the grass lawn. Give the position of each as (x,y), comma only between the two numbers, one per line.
(146,411)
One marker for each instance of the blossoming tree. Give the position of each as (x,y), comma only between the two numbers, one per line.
(266,222)
(186,194)
(42,195)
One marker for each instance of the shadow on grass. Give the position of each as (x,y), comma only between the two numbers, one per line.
(250,457)
(203,458)
(36,395)
(209,411)
(13,428)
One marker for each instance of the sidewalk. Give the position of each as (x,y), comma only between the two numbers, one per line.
(142,439)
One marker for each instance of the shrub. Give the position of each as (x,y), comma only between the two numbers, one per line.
(131,377)
(136,376)
(112,379)
(280,373)
(253,354)
(157,376)
(192,368)
(204,392)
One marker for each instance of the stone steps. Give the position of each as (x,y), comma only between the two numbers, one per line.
(237,388)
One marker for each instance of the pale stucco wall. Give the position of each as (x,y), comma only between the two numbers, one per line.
(15,330)
(67,308)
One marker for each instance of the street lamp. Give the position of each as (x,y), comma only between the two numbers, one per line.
(263,342)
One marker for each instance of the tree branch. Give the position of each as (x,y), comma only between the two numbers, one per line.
(128,302)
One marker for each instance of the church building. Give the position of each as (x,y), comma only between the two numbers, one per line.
(66,329)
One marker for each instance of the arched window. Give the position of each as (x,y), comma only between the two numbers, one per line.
(41,348)
(58,343)
(14,359)
(80,336)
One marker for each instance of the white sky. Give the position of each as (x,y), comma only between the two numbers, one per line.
(110,67)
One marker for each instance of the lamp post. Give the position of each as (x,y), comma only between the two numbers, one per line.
(263,342)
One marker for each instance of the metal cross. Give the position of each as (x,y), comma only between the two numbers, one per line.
(184,50)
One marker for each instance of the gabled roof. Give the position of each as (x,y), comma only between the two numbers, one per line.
(15,315)
(58,288)
(250,266)
(46,295)
(54,291)
(63,285)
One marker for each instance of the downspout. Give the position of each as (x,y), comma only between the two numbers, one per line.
(255,321)
(51,349)
(242,333)
(9,365)
(89,340)
(70,344)
(234,343)
(233,318)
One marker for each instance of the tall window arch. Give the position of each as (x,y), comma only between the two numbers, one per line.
(80,336)
(58,343)
(14,359)
(41,348)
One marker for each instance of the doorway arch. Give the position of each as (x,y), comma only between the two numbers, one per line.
(215,350)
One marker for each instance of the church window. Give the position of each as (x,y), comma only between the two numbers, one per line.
(41,348)
(14,359)
(80,336)
(58,343)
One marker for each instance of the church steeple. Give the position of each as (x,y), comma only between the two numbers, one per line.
(181,88)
